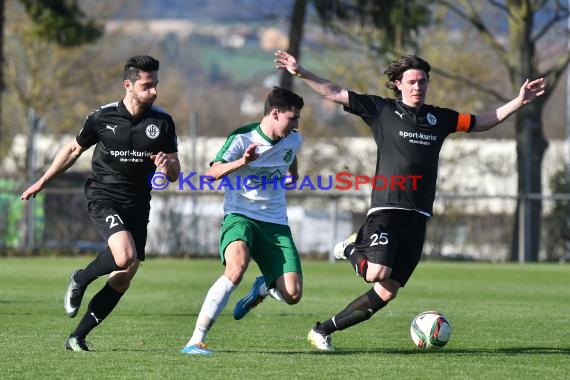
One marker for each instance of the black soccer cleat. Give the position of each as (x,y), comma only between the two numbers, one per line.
(73,296)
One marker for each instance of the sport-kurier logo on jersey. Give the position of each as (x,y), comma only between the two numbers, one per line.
(418,137)
(152,131)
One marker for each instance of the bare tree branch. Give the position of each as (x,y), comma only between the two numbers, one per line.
(559,16)
(473,18)
(554,74)
(501,6)
(472,84)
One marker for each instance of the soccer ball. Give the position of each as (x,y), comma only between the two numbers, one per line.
(430,329)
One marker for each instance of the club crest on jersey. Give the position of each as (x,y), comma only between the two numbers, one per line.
(264,176)
(431,119)
(288,155)
(152,131)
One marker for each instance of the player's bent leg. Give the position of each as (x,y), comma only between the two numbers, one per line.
(237,258)
(359,310)
(387,289)
(102,304)
(103,264)
(377,272)
(123,248)
(120,256)
(121,280)
(288,288)
(255,296)
(215,301)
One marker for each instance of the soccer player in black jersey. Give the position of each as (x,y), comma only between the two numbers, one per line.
(409,135)
(133,139)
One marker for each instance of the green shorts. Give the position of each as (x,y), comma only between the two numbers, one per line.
(270,245)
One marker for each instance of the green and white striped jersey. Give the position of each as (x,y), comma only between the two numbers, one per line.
(257,190)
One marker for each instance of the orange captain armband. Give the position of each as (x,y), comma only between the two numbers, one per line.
(464,122)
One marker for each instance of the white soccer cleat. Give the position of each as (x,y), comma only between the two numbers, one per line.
(339,248)
(320,341)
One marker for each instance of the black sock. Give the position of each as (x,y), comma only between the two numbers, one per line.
(103,264)
(359,310)
(99,308)
(348,250)
(359,262)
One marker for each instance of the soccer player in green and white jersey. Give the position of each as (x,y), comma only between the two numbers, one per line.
(255,164)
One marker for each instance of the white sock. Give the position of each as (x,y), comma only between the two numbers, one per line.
(275,293)
(215,301)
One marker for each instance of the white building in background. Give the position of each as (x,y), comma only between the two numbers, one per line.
(468,167)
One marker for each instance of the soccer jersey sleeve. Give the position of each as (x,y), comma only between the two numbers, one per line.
(457,122)
(365,106)
(87,136)
(171,142)
(232,150)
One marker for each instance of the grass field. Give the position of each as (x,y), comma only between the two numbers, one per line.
(509,322)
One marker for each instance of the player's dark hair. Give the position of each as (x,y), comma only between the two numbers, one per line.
(396,70)
(283,100)
(139,63)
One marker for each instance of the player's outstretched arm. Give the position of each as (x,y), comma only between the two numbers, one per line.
(529,91)
(64,159)
(325,87)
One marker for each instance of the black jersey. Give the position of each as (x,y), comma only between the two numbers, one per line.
(409,143)
(121,164)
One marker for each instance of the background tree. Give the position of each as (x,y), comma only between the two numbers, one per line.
(388,27)
(383,26)
(518,35)
(295,38)
(62,22)
(59,21)
(557,246)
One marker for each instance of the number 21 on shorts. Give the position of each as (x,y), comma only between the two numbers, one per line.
(113,220)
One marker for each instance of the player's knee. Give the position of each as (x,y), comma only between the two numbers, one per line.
(235,273)
(125,261)
(124,258)
(387,294)
(377,273)
(292,298)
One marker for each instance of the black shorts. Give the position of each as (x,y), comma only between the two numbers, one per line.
(393,238)
(109,218)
